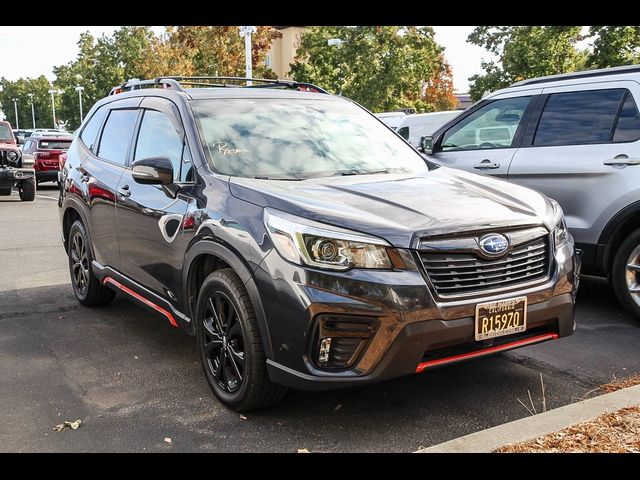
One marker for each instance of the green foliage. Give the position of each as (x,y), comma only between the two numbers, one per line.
(614,46)
(525,52)
(381,67)
(21,89)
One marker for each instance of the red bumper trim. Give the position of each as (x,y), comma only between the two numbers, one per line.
(144,300)
(486,351)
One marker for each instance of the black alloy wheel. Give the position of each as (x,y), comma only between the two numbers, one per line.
(224,342)
(230,345)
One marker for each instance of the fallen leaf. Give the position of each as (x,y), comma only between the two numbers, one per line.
(303,450)
(63,426)
(337,407)
(62,317)
(242,417)
(167,439)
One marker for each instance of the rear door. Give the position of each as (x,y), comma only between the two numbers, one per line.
(101,170)
(150,218)
(584,152)
(485,139)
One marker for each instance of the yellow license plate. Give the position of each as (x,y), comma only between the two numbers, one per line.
(503,317)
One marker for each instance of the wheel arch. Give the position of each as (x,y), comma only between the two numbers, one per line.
(72,212)
(207,255)
(617,229)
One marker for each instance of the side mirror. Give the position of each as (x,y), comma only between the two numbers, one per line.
(20,139)
(153,171)
(426,142)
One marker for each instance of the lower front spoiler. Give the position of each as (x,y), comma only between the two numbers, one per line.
(424,345)
(12,175)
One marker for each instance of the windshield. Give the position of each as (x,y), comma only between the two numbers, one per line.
(298,139)
(5,134)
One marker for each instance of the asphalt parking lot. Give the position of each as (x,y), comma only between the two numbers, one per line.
(134,380)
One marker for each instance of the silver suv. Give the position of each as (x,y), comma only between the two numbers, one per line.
(576,138)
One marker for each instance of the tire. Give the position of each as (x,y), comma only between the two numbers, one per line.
(233,343)
(623,278)
(5,191)
(27,190)
(85,284)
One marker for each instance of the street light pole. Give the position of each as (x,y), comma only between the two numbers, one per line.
(15,106)
(246,33)
(53,105)
(79,89)
(33,112)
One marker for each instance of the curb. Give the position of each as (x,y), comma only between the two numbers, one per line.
(529,428)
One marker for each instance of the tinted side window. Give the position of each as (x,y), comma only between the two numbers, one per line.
(491,126)
(628,128)
(158,138)
(116,135)
(90,130)
(404,133)
(578,117)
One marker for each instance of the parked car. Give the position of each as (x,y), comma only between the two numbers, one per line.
(413,127)
(302,242)
(576,138)
(391,119)
(47,150)
(16,168)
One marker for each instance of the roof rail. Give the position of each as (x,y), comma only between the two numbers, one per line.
(583,74)
(177,82)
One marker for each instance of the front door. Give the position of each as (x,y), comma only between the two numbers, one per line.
(485,140)
(585,153)
(150,217)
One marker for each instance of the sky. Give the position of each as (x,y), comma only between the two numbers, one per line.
(33,51)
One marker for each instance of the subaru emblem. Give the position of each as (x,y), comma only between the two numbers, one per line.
(494,244)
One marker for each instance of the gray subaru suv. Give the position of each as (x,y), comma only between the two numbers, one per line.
(576,138)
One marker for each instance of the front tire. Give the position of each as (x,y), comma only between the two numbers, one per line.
(230,346)
(86,286)
(625,273)
(27,190)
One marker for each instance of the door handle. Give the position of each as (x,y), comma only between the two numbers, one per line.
(486,163)
(622,160)
(124,191)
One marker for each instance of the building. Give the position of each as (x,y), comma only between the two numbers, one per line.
(283,50)
(464,101)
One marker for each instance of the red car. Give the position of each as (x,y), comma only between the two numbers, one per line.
(48,151)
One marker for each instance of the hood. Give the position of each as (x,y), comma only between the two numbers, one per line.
(403,208)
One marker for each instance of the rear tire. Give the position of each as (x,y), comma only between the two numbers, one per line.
(5,191)
(86,286)
(27,190)
(230,346)
(625,273)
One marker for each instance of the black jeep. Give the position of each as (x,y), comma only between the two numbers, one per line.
(16,168)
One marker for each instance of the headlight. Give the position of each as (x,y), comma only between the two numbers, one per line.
(306,242)
(28,160)
(560,232)
(12,156)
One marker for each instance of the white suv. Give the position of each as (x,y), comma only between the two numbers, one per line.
(576,138)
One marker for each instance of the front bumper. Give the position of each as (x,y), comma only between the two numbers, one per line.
(13,175)
(414,330)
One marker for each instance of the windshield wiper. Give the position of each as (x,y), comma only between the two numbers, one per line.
(361,172)
(288,178)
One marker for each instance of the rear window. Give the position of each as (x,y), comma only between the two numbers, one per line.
(5,134)
(54,144)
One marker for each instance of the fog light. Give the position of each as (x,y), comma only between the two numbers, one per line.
(325,347)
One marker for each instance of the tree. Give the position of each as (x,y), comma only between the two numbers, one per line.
(21,89)
(525,52)
(614,46)
(382,67)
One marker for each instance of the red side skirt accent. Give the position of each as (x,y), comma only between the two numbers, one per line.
(144,300)
(486,351)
